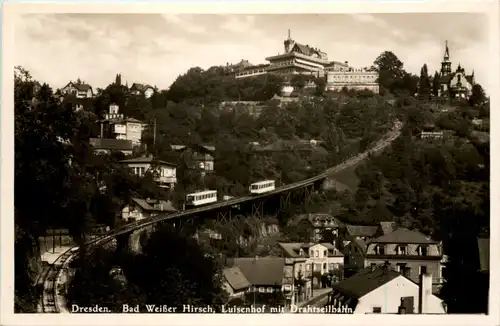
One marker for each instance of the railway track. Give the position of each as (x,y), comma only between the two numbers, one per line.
(51,278)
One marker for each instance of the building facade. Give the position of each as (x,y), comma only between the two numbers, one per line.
(164,172)
(410,252)
(116,125)
(376,290)
(78,89)
(146,90)
(140,209)
(357,79)
(454,84)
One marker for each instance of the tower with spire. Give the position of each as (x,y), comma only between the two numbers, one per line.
(289,43)
(446,63)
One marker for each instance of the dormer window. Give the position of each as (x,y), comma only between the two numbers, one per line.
(422,250)
(380,250)
(402,250)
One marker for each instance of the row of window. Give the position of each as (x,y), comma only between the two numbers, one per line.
(405,270)
(402,250)
(263,185)
(351,77)
(201,197)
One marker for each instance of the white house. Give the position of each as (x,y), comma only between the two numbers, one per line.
(138,89)
(320,257)
(164,172)
(120,127)
(78,89)
(379,289)
(140,209)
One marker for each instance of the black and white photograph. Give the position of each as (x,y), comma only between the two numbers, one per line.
(250,163)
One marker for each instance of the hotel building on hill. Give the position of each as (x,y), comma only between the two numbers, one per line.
(352,79)
(306,60)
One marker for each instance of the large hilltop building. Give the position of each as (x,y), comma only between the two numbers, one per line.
(454,84)
(306,60)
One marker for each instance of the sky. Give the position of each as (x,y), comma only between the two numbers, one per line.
(156,48)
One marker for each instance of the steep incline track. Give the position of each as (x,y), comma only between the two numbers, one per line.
(51,302)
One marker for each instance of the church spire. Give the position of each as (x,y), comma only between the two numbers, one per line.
(446,52)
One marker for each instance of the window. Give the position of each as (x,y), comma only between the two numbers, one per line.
(330,266)
(269,290)
(311,253)
(422,250)
(380,250)
(317,253)
(262,290)
(308,267)
(325,253)
(402,250)
(423,269)
(377,310)
(324,265)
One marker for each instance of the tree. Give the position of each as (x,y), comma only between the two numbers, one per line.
(478,96)
(424,87)
(436,86)
(390,70)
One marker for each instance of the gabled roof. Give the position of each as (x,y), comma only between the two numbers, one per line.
(334,222)
(361,230)
(146,160)
(365,281)
(140,87)
(111,144)
(484,254)
(235,278)
(403,235)
(79,86)
(292,249)
(261,270)
(145,204)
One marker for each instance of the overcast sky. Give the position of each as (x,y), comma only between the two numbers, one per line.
(155,49)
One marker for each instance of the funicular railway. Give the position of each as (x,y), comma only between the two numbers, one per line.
(51,295)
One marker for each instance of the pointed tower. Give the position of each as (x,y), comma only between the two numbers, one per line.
(446,64)
(289,43)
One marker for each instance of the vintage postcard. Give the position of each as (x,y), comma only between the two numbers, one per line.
(248,163)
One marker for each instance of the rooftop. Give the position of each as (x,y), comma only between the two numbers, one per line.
(403,235)
(261,270)
(235,278)
(361,230)
(111,144)
(154,205)
(292,249)
(149,160)
(365,281)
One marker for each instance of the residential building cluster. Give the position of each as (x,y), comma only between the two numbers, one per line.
(306,60)
(371,269)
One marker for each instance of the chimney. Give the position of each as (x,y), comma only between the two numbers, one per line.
(425,291)
(402,308)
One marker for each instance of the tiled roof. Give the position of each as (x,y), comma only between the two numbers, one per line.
(387,227)
(261,270)
(361,230)
(140,87)
(166,206)
(111,144)
(365,281)
(484,253)
(403,235)
(82,87)
(146,160)
(235,278)
(322,217)
(292,249)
